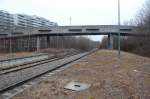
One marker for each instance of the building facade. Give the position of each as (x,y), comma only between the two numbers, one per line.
(10,21)
(22,20)
(6,21)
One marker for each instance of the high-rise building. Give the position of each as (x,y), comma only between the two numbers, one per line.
(9,21)
(6,20)
(22,20)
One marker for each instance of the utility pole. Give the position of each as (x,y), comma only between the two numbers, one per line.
(119,29)
(70,20)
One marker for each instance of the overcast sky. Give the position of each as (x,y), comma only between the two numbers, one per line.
(82,12)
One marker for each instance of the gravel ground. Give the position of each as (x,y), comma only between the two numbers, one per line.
(50,51)
(109,78)
(5,56)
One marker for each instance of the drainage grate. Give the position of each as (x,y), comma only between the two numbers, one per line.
(77,86)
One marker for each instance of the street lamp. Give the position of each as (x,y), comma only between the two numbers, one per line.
(119,29)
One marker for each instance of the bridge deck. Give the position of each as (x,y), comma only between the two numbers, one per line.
(77,30)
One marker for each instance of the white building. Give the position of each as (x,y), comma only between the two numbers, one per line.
(22,20)
(6,20)
(9,21)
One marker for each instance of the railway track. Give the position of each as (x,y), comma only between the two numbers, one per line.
(16,62)
(31,64)
(13,77)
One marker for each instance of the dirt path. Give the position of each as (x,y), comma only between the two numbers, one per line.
(109,79)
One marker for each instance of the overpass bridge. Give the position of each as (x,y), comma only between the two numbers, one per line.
(109,30)
(88,30)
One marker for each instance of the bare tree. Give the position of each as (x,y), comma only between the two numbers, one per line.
(138,45)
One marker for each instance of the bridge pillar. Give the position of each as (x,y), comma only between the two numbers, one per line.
(110,41)
(38,43)
(48,41)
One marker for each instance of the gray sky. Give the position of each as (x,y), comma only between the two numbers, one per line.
(82,12)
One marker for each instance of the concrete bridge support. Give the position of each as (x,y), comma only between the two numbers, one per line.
(110,41)
(48,41)
(38,43)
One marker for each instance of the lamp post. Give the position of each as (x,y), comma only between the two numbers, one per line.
(119,29)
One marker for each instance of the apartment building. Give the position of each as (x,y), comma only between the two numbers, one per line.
(9,21)
(6,20)
(22,20)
